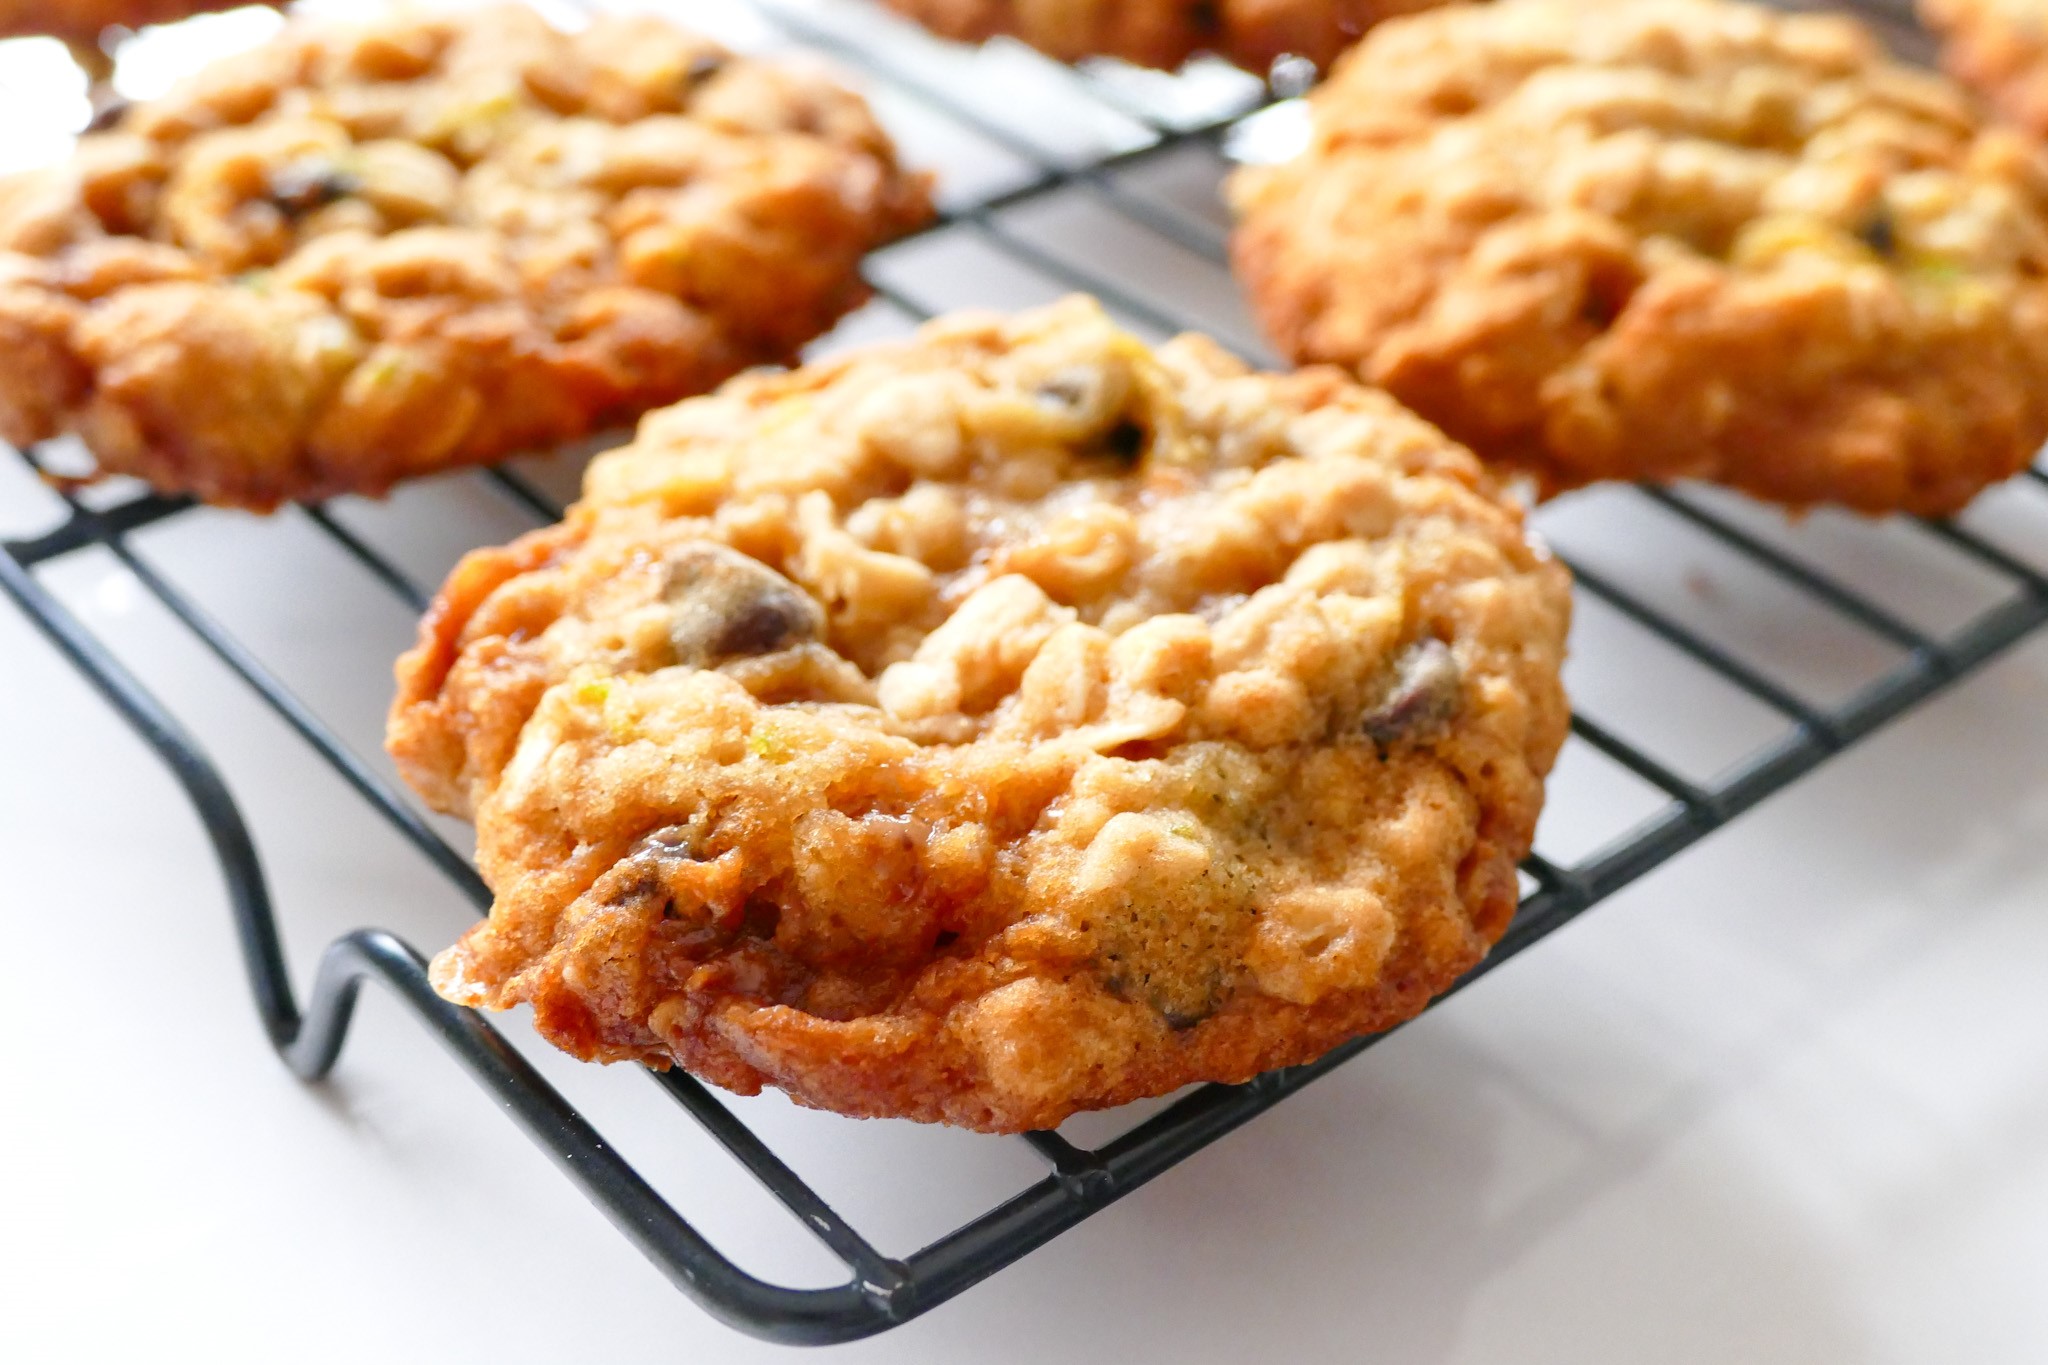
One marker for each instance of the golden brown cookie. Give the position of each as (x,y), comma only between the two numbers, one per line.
(368,251)
(1012,721)
(1165,33)
(2000,48)
(82,21)
(1694,239)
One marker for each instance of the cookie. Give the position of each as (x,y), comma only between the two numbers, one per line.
(82,21)
(1008,722)
(371,250)
(1999,48)
(1165,33)
(1693,240)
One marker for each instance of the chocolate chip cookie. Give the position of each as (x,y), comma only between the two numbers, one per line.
(371,250)
(1011,721)
(1694,239)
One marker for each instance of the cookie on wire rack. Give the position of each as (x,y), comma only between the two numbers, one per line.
(367,251)
(1008,722)
(1694,239)
(1165,33)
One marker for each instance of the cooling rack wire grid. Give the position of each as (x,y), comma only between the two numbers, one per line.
(1721,653)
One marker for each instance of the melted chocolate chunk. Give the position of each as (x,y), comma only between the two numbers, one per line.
(107,112)
(1126,441)
(724,605)
(1424,696)
(302,187)
(702,68)
(762,626)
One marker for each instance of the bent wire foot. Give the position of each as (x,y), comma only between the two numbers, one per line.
(310,1043)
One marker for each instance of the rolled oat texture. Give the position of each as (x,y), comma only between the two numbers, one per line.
(1694,239)
(1010,721)
(369,251)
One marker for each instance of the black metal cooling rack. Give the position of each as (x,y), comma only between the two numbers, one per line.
(881,1291)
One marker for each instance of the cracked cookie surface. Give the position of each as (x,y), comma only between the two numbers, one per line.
(1011,721)
(368,251)
(1695,239)
(1165,33)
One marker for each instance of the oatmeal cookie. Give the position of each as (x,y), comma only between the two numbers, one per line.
(1165,33)
(371,250)
(1694,239)
(2000,48)
(82,21)
(1009,722)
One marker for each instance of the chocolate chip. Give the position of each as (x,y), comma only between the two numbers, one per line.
(642,868)
(1126,441)
(107,112)
(760,918)
(1424,695)
(762,626)
(702,68)
(301,187)
(1880,231)
(724,605)
(1181,997)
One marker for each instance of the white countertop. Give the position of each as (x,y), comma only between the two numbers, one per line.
(1780,1101)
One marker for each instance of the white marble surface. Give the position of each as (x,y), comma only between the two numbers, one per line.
(1781,1101)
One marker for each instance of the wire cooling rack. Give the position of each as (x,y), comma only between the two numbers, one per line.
(1103,180)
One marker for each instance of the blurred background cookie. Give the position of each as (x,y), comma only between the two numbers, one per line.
(1011,721)
(1165,33)
(367,251)
(1998,47)
(1693,239)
